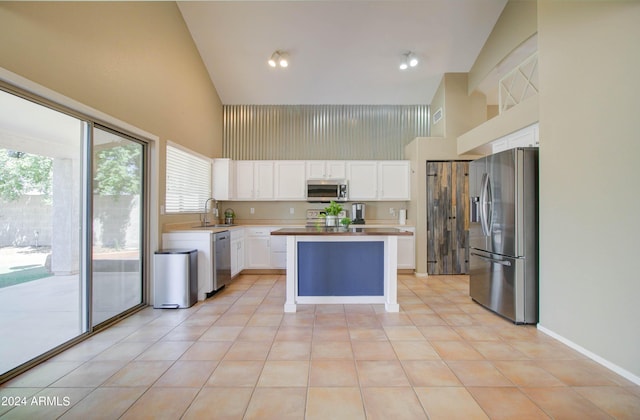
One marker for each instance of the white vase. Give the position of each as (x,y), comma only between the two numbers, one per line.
(332,221)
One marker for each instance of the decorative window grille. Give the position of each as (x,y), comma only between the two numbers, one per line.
(519,84)
(188,180)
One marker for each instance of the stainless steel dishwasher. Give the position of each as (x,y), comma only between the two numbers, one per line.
(222,264)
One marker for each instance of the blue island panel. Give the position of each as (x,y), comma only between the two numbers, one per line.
(341,268)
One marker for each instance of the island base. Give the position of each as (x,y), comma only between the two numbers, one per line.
(303,284)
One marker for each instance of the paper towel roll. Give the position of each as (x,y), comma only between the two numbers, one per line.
(402,217)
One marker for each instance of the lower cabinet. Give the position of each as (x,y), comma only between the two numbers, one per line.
(278,252)
(237,251)
(258,247)
(407,250)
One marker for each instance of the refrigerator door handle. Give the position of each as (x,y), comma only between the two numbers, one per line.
(485,205)
(501,262)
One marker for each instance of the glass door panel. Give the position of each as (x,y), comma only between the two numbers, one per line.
(118,209)
(41,210)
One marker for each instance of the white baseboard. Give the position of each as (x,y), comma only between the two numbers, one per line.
(611,366)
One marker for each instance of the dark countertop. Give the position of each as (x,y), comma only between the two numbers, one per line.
(351,231)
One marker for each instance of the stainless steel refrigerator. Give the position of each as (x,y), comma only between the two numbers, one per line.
(503,235)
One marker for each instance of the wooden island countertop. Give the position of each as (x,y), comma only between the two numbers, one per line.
(351,231)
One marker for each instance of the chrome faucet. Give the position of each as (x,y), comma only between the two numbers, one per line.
(204,219)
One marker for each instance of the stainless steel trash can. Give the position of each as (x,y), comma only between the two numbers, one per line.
(175,278)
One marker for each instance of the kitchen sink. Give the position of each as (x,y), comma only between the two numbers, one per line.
(217,225)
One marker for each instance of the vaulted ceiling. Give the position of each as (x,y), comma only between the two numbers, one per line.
(341,52)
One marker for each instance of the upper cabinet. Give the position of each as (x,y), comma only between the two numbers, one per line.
(290,181)
(326,169)
(223,176)
(363,179)
(254,180)
(386,180)
(526,137)
(393,180)
(285,180)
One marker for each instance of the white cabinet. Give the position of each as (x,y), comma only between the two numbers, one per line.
(379,180)
(394,180)
(285,180)
(254,180)
(526,137)
(407,250)
(244,180)
(258,247)
(222,182)
(263,180)
(264,250)
(362,176)
(278,252)
(326,169)
(237,251)
(290,180)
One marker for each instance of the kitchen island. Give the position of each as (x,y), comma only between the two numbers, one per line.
(341,266)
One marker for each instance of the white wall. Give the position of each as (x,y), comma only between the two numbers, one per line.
(589,178)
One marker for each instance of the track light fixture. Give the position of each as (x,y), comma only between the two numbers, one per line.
(408,60)
(279,58)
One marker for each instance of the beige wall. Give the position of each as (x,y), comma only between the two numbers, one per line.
(461,112)
(516,24)
(133,61)
(589,201)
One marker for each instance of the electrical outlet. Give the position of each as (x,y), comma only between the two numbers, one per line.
(291,210)
(162,209)
(392,211)
(252,211)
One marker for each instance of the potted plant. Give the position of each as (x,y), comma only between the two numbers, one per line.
(332,211)
(345,222)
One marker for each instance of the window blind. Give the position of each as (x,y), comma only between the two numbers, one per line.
(188,181)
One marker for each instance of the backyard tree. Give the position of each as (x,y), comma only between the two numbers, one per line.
(23,173)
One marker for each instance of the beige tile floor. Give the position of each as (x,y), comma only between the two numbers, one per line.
(237,355)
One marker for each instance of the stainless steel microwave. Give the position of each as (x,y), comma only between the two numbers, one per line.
(326,190)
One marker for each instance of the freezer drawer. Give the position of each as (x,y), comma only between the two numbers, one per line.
(502,285)
(175,278)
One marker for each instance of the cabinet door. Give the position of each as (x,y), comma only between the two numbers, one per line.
(315,169)
(258,252)
(363,180)
(439,218)
(335,169)
(393,178)
(241,255)
(263,180)
(290,180)
(234,258)
(447,217)
(278,252)
(460,217)
(222,181)
(406,252)
(244,180)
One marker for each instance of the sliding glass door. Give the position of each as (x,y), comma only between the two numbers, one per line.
(40,230)
(118,221)
(72,227)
